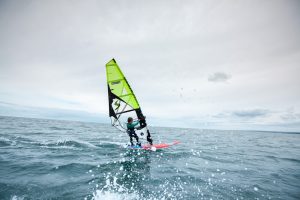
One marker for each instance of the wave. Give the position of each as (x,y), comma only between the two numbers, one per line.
(73,167)
(6,142)
(100,194)
(291,160)
(63,143)
(110,144)
(25,140)
(69,143)
(15,197)
(59,128)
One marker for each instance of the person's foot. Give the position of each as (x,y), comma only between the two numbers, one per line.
(139,144)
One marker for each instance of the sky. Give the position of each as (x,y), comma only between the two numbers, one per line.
(199,64)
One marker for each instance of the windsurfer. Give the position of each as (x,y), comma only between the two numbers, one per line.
(130,130)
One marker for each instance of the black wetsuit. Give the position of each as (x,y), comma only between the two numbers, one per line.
(131,132)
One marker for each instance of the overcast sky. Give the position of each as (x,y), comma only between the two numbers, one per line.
(206,64)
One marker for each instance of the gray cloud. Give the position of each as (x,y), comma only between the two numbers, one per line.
(290,115)
(250,113)
(242,114)
(219,77)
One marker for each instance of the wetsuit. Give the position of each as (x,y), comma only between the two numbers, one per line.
(131,132)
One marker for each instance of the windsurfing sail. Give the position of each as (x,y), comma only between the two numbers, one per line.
(122,101)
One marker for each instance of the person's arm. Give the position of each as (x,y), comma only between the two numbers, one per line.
(135,123)
(132,125)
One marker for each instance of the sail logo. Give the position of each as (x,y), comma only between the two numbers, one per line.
(115,82)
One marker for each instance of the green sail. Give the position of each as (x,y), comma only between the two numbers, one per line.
(122,101)
(118,84)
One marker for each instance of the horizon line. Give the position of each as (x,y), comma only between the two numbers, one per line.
(244,130)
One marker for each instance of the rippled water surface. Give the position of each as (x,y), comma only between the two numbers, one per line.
(48,159)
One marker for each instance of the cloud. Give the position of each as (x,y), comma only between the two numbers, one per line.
(250,113)
(53,55)
(219,77)
(290,115)
(242,115)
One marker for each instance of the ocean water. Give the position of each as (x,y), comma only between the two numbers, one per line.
(49,159)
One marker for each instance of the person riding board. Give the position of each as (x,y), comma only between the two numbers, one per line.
(130,130)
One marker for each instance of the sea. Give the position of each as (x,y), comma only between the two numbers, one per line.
(51,159)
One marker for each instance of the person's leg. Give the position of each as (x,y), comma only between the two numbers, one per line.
(137,139)
(149,139)
(130,137)
(131,141)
